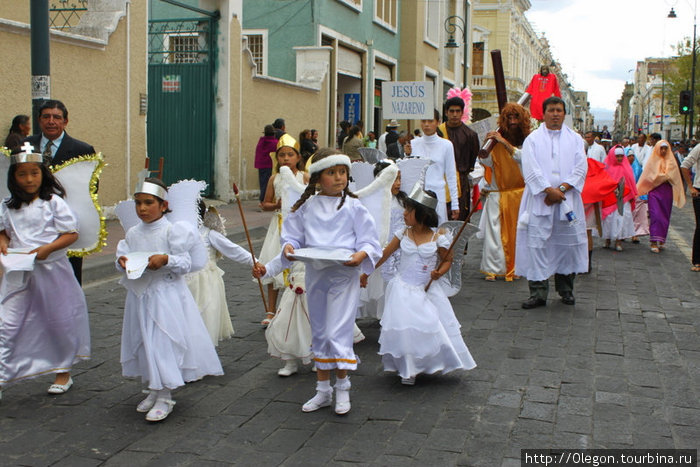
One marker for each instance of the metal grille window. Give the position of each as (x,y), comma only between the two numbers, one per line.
(256,45)
(184,48)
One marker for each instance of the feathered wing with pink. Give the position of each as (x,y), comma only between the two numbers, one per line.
(466,95)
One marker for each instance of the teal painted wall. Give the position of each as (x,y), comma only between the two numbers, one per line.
(294,23)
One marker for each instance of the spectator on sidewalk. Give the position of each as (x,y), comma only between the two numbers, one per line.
(267,144)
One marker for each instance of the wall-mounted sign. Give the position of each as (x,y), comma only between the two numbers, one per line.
(171,83)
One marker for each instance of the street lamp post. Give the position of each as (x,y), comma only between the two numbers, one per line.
(453,24)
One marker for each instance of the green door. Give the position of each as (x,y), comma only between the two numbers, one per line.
(180,120)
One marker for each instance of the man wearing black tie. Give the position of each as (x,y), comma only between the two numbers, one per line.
(57,147)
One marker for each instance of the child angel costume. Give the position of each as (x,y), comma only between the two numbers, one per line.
(164,340)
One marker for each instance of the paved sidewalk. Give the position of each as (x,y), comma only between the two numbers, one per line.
(620,369)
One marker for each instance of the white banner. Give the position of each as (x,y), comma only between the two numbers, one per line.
(407,100)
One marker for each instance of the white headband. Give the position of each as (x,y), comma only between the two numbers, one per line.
(330,161)
(152,189)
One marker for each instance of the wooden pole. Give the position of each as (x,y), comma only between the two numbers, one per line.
(250,243)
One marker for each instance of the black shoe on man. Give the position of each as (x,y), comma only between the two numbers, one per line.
(533,302)
(567,298)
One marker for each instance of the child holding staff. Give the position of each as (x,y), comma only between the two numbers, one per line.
(331,219)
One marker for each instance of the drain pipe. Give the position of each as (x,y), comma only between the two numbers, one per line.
(127,154)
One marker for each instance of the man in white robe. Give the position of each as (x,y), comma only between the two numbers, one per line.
(554,168)
(595,150)
(442,172)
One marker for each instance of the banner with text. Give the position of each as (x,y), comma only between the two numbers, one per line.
(407,100)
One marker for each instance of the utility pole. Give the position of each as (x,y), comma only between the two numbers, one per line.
(41,64)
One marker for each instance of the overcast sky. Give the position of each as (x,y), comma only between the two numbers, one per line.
(597,42)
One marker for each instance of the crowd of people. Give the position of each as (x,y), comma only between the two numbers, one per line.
(543,195)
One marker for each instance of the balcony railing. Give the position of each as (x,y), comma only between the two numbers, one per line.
(65,14)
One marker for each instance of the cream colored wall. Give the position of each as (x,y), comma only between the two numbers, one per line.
(92,83)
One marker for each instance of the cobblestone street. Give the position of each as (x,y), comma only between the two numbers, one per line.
(621,369)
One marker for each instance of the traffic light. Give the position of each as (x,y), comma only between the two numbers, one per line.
(684,106)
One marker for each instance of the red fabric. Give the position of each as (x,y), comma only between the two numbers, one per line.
(617,171)
(476,204)
(599,186)
(266,145)
(540,89)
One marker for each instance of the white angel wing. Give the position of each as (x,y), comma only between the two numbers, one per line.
(410,171)
(126,213)
(4,166)
(362,175)
(371,155)
(291,189)
(79,177)
(452,281)
(183,199)
(376,197)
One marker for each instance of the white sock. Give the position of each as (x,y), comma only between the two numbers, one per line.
(323,386)
(343,383)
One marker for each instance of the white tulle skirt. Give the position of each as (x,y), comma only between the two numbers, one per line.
(208,291)
(43,322)
(420,333)
(271,248)
(164,341)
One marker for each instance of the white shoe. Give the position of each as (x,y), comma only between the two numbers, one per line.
(408,381)
(342,401)
(289,368)
(321,399)
(161,409)
(60,388)
(148,403)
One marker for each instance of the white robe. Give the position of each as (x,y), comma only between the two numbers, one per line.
(207,285)
(442,170)
(43,315)
(164,340)
(333,292)
(546,242)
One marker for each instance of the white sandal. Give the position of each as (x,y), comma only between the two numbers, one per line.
(161,409)
(148,403)
(321,399)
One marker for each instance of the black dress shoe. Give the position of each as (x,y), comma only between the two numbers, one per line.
(567,298)
(533,303)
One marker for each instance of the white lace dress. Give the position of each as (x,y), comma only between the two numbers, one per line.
(420,333)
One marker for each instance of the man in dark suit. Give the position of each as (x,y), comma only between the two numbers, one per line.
(58,147)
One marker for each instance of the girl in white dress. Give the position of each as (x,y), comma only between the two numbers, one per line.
(331,219)
(43,315)
(287,155)
(164,340)
(420,333)
(207,284)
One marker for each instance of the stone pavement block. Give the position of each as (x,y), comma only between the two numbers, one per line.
(512,382)
(538,411)
(405,443)
(311,456)
(481,453)
(505,398)
(285,440)
(685,437)
(331,434)
(360,451)
(389,460)
(570,404)
(566,440)
(168,459)
(485,432)
(683,416)
(435,457)
(544,378)
(541,394)
(603,397)
(130,458)
(611,435)
(497,414)
(610,383)
(573,423)
(77,461)
(665,352)
(164,434)
(447,439)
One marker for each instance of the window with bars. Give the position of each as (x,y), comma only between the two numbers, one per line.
(183,48)
(385,12)
(256,45)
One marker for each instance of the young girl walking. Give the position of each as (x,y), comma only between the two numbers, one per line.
(287,155)
(207,284)
(164,340)
(44,322)
(331,219)
(420,333)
